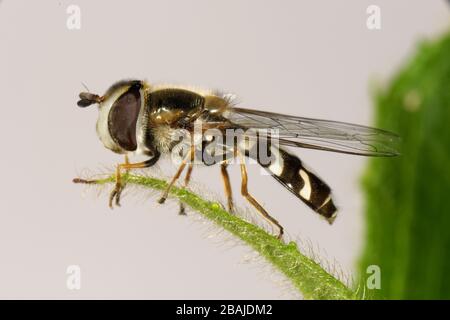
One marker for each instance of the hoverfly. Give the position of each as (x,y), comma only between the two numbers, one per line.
(138,118)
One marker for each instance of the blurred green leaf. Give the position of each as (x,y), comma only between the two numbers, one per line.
(408,197)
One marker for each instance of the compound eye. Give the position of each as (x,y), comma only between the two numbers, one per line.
(123,118)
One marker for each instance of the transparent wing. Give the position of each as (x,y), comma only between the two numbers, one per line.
(315,134)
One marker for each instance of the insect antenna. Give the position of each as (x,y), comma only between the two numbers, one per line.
(88,98)
(85,86)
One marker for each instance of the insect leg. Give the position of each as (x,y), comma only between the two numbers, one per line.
(227,186)
(187,178)
(254,203)
(188,174)
(116,192)
(176,176)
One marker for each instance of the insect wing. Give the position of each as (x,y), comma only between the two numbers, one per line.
(315,133)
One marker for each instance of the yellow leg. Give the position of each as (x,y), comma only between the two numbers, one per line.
(187,178)
(227,186)
(127,166)
(176,176)
(254,203)
(117,191)
(188,174)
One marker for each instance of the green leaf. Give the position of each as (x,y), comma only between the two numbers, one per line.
(408,207)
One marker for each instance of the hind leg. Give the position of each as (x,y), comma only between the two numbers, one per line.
(254,203)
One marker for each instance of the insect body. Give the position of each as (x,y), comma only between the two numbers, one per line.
(137,118)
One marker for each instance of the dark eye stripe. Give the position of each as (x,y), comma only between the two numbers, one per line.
(123,117)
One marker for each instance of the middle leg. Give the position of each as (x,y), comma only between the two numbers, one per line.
(189,158)
(227,186)
(187,178)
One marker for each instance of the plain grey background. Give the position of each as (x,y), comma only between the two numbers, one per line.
(309,58)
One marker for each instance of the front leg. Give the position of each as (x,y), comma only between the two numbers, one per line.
(117,191)
(115,194)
